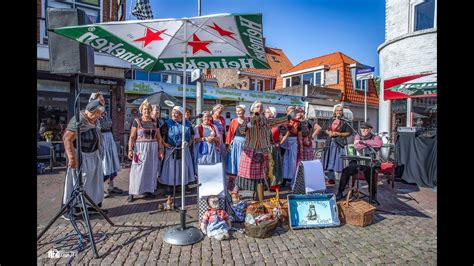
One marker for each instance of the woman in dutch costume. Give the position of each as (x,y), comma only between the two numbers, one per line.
(145,151)
(254,158)
(91,154)
(338,131)
(275,171)
(235,141)
(172,137)
(207,135)
(219,122)
(289,143)
(110,160)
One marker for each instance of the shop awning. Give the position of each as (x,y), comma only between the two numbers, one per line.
(320,111)
(422,85)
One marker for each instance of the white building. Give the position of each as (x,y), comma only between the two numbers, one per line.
(409,54)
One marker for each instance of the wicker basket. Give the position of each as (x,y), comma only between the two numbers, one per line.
(261,231)
(255,208)
(358,212)
(269,206)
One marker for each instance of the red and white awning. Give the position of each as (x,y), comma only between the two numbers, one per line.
(422,85)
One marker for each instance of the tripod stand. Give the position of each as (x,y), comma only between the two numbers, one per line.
(78,191)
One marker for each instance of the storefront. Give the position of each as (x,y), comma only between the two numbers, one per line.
(56,96)
(413,101)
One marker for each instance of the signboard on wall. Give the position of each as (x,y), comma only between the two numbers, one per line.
(210,93)
(365,73)
(331,77)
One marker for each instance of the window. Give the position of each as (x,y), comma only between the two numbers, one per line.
(308,78)
(167,78)
(287,82)
(424,15)
(317,78)
(295,81)
(92,8)
(275,59)
(256,85)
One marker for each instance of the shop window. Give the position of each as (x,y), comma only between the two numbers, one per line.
(287,82)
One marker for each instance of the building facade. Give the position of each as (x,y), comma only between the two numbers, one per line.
(55,92)
(408,65)
(329,77)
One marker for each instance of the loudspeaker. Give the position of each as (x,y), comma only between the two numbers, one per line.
(66,55)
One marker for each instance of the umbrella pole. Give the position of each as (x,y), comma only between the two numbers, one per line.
(182,235)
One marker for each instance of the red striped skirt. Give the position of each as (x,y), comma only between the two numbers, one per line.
(252,169)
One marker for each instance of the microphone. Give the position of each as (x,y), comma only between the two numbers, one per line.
(344,119)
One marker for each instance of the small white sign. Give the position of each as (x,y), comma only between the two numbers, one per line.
(365,76)
(195,74)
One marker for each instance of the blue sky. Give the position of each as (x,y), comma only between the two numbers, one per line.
(302,28)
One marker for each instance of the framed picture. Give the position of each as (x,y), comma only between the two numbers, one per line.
(312,211)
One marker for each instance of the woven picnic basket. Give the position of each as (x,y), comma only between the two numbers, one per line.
(261,231)
(357,212)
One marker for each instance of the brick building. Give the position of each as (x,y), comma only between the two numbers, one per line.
(256,79)
(330,77)
(55,92)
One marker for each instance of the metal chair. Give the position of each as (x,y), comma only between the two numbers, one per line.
(45,151)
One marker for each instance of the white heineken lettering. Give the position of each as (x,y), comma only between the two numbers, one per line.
(250,24)
(87,38)
(127,56)
(233,64)
(138,60)
(145,63)
(203,64)
(111,47)
(241,63)
(133,58)
(215,64)
(119,52)
(99,43)
(254,32)
(168,66)
(246,63)
(224,63)
(192,64)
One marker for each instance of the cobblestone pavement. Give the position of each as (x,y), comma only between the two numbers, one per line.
(407,236)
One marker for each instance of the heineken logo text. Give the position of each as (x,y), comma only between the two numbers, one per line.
(106,46)
(254,32)
(223,63)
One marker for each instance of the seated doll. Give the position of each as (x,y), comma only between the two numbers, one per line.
(215,221)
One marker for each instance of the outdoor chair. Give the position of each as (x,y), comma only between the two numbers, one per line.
(45,151)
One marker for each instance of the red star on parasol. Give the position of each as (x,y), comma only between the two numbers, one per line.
(150,36)
(221,31)
(197,45)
